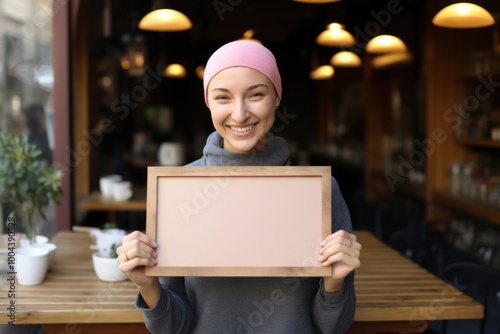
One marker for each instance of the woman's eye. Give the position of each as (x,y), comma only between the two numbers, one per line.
(221,97)
(256,95)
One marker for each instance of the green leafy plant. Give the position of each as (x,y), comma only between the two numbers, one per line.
(109,226)
(26,182)
(112,251)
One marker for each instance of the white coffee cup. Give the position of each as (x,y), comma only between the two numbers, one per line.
(121,191)
(31,265)
(106,184)
(171,154)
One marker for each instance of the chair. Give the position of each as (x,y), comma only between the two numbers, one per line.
(408,243)
(395,213)
(478,281)
(410,236)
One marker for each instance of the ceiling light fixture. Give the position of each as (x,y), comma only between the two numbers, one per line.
(463,15)
(175,71)
(322,73)
(335,36)
(162,18)
(392,59)
(385,44)
(345,59)
(248,36)
(200,71)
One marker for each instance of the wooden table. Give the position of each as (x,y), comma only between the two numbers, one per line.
(96,202)
(394,294)
(72,299)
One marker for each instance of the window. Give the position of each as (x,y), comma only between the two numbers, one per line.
(26,74)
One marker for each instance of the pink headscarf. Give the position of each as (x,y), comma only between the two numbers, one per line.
(246,54)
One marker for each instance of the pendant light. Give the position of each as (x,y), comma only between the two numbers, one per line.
(345,59)
(175,71)
(392,59)
(323,72)
(248,36)
(200,71)
(163,18)
(335,36)
(385,44)
(463,15)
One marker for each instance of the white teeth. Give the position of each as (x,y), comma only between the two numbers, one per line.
(241,130)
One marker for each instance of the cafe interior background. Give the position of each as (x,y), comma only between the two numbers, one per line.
(411,134)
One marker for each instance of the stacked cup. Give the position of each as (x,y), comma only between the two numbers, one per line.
(113,187)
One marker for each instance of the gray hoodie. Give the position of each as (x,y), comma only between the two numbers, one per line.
(253,304)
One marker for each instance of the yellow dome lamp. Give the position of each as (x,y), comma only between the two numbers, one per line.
(345,59)
(392,60)
(323,72)
(200,71)
(463,15)
(175,71)
(335,36)
(386,44)
(163,18)
(248,36)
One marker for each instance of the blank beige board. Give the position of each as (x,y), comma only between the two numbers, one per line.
(239,221)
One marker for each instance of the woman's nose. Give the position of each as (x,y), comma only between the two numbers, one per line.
(240,112)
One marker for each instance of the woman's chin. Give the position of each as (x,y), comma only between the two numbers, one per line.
(242,146)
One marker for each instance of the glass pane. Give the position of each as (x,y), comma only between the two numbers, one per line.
(26,74)
(26,81)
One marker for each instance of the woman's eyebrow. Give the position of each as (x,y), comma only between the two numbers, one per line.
(221,89)
(256,86)
(248,89)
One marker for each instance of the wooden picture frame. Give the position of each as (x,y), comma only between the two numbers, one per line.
(239,221)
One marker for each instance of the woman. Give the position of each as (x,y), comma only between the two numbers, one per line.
(242,90)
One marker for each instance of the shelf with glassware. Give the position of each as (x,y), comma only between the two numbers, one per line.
(474,184)
(474,179)
(485,209)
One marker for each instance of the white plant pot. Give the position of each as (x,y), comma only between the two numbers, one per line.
(107,268)
(31,265)
(39,239)
(52,251)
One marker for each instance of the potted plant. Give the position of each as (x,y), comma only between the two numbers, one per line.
(106,265)
(26,183)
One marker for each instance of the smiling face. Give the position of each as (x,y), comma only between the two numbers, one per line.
(242,103)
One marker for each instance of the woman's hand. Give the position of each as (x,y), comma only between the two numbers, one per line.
(137,252)
(341,251)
